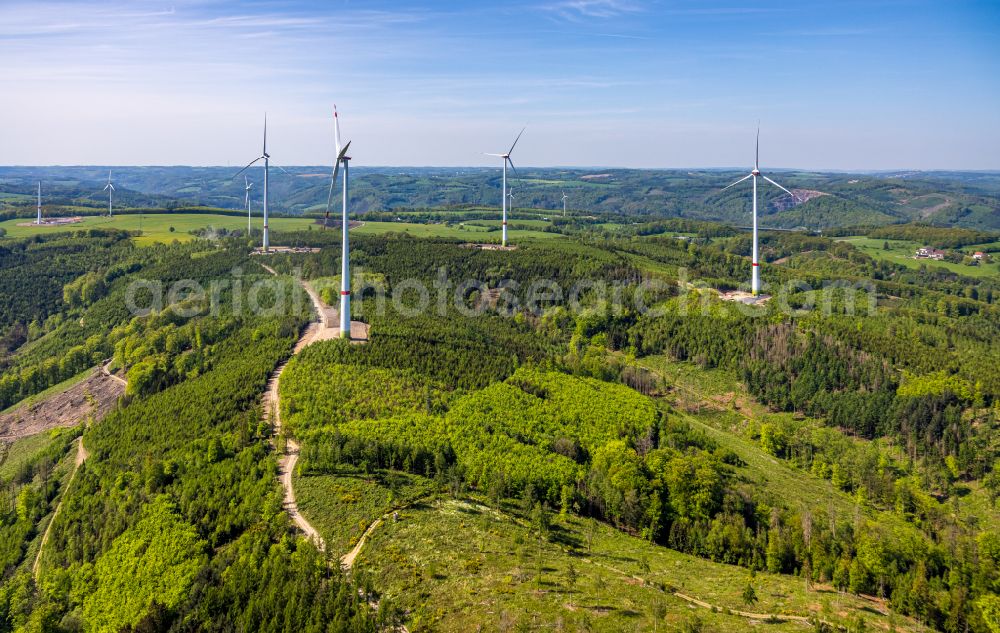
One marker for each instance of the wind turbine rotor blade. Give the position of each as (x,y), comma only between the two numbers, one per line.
(112,186)
(106,187)
(516,175)
(336,130)
(333,181)
(497,155)
(249,165)
(516,140)
(780,187)
(246,182)
(341,153)
(756,156)
(747,177)
(265,134)
(329,195)
(281,168)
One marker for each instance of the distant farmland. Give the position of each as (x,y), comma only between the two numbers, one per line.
(167,227)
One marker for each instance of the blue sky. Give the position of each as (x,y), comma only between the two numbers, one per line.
(836,85)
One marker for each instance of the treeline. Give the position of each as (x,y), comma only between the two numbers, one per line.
(814,368)
(402,257)
(90,306)
(679,225)
(462,352)
(33,272)
(28,490)
(930,235)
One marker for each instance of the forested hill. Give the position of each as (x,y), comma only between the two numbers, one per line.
(558,460)
(970,199)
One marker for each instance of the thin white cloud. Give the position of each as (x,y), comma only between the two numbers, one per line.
(581,9)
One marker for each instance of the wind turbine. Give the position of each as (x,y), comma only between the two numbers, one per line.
(345,266)
(564,203)
(506,159)
(109,188)
(754,173)
(38,220)
(249,186)
(266,158)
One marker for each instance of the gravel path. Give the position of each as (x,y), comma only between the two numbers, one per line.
(325,327)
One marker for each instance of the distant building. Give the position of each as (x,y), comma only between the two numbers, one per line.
(979,255)
(926,252)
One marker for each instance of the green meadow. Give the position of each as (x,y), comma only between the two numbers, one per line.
(167,227)
(901,252)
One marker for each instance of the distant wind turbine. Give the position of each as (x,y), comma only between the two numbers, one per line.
(266,158)
(754,173)
(38,220)
(564,203)
(249,186)
(345,266)
(506,160)
(109,188)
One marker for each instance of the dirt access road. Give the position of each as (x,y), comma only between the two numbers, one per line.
(81,456)
(327,326)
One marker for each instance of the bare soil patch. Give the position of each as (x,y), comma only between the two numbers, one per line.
(489,247)
(335,224)
(744,297)
(93,396)
(54,221)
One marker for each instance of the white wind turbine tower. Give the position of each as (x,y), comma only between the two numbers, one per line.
(564,203)
(38,220)
(109,188)
(754,173)
(248,187)
(266,158)
(345,266)
(506,159)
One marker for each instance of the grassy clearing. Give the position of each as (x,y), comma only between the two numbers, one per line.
(156,226)
(973,503)
(650,265)
(901,252)
(715,402)
(457,565)
(23,450)
(343,506)
(989,247)
(778,480)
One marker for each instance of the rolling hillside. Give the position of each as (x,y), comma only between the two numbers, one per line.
(962,199)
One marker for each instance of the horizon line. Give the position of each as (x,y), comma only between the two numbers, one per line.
(822,170)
